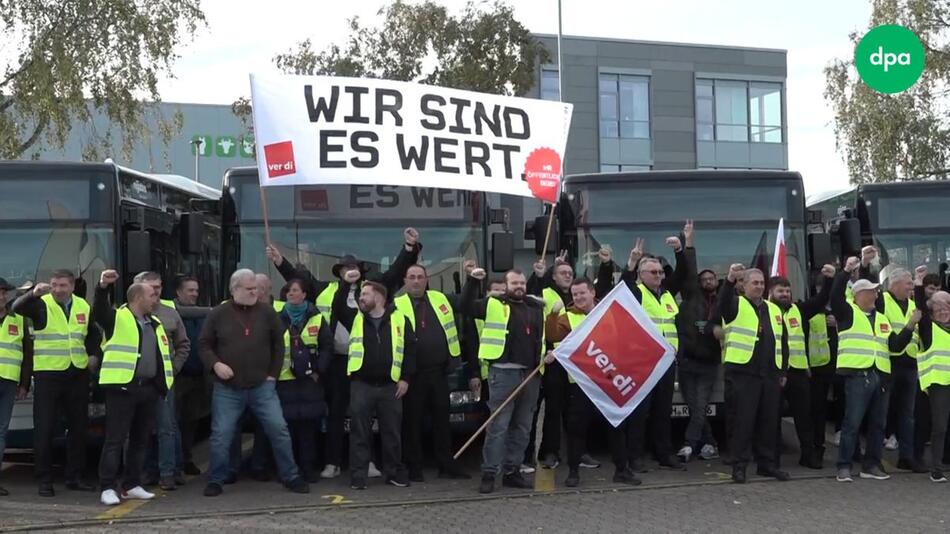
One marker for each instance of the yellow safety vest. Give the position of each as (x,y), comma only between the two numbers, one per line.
(819,349)
(864,346)
(325,300)
(898,319)
(63,341)
(742,333)
(122,350)
(491,341)
(551,297)
(573,319)
(797,355)
(662,312)
(396,323)
(933,364)
(444,313)
(309,336)
(11,346)
(169,303)
(482,364)
(279,305)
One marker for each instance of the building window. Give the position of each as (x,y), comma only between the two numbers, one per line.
(623,168)
(624,106)
(549,84)
(765,112)
(728,110)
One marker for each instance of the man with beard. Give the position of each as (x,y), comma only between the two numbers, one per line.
(511,360)
(797,390)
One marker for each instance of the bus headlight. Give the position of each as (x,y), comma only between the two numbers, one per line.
(458,398)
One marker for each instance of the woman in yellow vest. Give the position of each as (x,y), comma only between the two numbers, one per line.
(11,358)
(933,367)
(308,347)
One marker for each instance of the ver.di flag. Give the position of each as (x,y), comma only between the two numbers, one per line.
(335,130)
(616,355)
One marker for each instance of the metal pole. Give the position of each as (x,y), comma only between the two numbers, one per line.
(198,144)
(560,65)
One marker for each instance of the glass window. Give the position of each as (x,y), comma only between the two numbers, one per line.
(911,212)
(624,106)
(765,108)
(135,188)
(705,119)
(24,196)
(549,84)
(623,168)
(732,114)
(41,250)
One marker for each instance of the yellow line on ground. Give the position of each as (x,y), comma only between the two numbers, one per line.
(544,479)
(124,509)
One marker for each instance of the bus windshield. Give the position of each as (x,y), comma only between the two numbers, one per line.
(736,222)
(315,226)
(909,227)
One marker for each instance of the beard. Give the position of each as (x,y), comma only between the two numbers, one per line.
(516,294)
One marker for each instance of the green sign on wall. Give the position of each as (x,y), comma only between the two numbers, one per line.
(222,146)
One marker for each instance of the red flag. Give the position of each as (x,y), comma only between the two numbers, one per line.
(779,265)
(760,258)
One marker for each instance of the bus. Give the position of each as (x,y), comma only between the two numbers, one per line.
(314,226)
(904,220)
(88,217)
(736,213)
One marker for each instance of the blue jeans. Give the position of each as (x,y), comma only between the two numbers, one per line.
(169,439)
(507,436)
(903,396)
(865,393)
(7,397)
(227,406)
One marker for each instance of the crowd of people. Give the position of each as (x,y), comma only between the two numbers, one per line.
(328,350)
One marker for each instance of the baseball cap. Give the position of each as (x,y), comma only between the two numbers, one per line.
(864,285)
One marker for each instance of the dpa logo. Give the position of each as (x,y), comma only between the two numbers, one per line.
(889,59)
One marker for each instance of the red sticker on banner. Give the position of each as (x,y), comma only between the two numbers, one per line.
(542,171)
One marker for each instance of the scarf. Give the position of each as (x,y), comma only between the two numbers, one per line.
(296,312)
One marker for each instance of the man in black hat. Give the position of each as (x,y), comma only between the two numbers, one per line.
(337,300)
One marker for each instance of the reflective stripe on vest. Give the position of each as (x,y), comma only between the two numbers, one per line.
(11,347)
(308,336)
(443,312)
(63,341)
(325,300)
(491,342)
(551,297)
(797,357)
(742,333)
(863,346)
(396,323)
(819,351)
(662,312)
(933,364)
(898,319)
(122,350)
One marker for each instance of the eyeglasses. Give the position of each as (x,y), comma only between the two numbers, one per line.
(653,272)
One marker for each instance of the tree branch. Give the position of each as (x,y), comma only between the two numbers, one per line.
(40,127)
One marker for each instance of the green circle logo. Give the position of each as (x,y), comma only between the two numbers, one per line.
(889,59)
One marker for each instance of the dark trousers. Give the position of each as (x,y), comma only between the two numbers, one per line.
(554,389)
(900,418)
(821,385)
(191,401)
(755,416)
(580,412)
(939,397)
(798,394)
(57,393)
(622,441)
(923,427)
(367,400)
(697,382)
(530,452)
(655,411)
(130,414)
(303,435)
(338,399)
(428,395)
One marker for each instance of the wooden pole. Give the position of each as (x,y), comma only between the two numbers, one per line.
(264,213)
(498,410)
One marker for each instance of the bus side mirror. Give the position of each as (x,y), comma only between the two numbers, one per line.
(191,230)
(536,231)
(502,251)
(819,247)
(849,232)
(138,250)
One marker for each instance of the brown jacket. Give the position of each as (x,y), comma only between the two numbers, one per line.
(248,339)
(557,326)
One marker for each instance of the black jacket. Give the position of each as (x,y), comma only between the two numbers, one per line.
(697,316)
(377,351)
(303,397)
(762,362)
(34,309)
(525,325)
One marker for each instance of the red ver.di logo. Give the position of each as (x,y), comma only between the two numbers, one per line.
(280,159)
(618,355)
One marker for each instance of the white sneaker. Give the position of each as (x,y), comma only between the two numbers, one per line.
(526,469)
(837,439)
(708,452)
(138,492)
(109,498)
(685,453)
(330,471)
(891,443)
(372,472)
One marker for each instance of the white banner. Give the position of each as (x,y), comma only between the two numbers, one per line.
(334,130)
(616,355)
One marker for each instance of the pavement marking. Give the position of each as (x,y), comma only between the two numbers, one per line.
(337,499)
(719,475)
(124,509)
(544,480)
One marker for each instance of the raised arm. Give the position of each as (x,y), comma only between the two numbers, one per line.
(30,306)
(408,256)
(288,272)
(840,307)
(728,301)
(102,311)
(816,304)
(471,305)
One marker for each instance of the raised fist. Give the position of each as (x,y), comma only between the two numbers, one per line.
(539,267)
(734,271)
(468,266)
(674,243)
(852,264)
(868,254)
(478,273)
(828,271)
(41,289)
(605,254)
(411,236)
(921,272)
(108,277)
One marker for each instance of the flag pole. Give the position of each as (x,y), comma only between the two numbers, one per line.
(498,410)
(264,213)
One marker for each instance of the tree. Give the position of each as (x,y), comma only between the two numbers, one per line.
(65,60)
(483,48)
(904,136)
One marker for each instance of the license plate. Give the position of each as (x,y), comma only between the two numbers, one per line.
(682,410)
